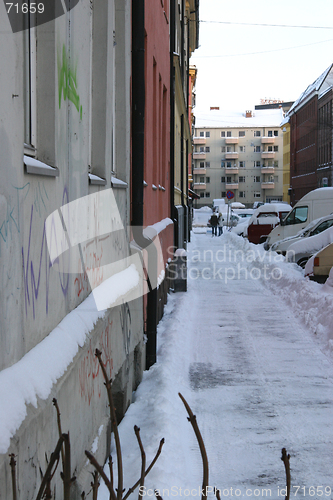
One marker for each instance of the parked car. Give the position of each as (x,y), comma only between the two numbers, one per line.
(318,267)
(244,213)
(315,227)
(264,219)
(302,250)
(315,204)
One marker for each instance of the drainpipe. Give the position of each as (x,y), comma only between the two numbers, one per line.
(172,114)
(138,126)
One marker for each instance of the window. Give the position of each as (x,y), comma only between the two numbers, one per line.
(257,133)
(322,227)
(208,164)
(202,194)
(276,133)
(202,134)
(223,149)
(270,133)
(256,178)
(29,37)
(276,148)
(202,180)
(207,194)
(241,194)
(229,149)
(242,164)
(297,216)
(241,178)
(207,134)
(202,164)
(207,180)
(257,194)
(202,149)
(276,163)
(222,134)
(241,133)
(256,149)
(223,194)
(223,179)
(229,164)
(228,179)
(258,164)
(207,149)
(242,149)
(222,164)
(270,148)
(228,134)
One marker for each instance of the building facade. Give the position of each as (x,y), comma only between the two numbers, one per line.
(239,153)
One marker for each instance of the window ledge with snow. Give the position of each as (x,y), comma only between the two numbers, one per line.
(117,183)
(96,180)
(33,166)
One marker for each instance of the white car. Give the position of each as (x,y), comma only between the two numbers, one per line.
(319,266)
(302,250)
(315,227)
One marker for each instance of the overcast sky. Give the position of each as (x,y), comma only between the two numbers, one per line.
(239,64)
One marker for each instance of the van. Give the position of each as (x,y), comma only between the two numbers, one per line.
(264,219)
(313,205)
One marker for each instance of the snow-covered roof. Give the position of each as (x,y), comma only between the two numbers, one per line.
(238,119)
(321,85)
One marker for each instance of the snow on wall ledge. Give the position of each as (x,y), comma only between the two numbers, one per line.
(34,375)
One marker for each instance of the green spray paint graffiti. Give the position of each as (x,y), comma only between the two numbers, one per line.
(67,81)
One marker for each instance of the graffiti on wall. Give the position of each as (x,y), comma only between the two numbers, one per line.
(89,369)
(36,276)
(67,81)
(10,214)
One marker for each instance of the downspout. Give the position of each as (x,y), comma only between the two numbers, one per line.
(172,113)
(138,137)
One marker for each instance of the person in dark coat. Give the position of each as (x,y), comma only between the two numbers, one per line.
(214,220)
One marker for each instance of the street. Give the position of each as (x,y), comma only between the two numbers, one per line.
(255,376)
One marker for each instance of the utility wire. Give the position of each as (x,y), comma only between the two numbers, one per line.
(270,25)
(264,51)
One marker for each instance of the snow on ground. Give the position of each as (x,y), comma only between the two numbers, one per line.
(249,347)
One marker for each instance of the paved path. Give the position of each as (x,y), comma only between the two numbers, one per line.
(259,382)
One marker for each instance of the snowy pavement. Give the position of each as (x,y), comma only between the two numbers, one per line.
(249,347)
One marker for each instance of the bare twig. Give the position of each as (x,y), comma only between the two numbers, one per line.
(217,494)
(157,495)
(114,426)
(55,403)
(13,471)
(147,470)
(95,484)
(98,467)
(54,458)
(285,459)
(111,470)
(66,476)
(143,460)
(194,423)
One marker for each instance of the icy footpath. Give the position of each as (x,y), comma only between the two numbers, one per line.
(249,347)
(311,302)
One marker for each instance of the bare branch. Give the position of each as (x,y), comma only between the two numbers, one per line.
(143,460)
(285,459)
(130,491)
(13,471)
(55,403)
(54,457)
(94,462)
(98,354)
(193,421)
(157,495)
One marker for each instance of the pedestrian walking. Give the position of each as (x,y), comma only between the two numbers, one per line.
(220,223)
(214,222)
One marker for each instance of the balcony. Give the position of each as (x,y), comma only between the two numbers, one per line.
(199,186)
(267,155)
(267,170)
(267,140)
(231,185)
(199,156)
(199,171)
(231,156)
(231,140)
(199,140)
(267,185)
(231,170)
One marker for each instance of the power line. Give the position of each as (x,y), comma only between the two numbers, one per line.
(270,25)
(263,51)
